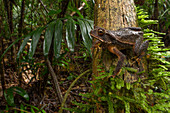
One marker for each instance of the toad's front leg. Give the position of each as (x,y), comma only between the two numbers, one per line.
(121,58)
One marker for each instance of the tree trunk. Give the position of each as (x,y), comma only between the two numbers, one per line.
(9,9)
(112,15)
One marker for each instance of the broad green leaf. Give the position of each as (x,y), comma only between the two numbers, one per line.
(9,97)
(35,39)
(91,23)
(89,26)
(58,38)
(87,40)
(48,38)
(21,92)
(70,34)
(23,45)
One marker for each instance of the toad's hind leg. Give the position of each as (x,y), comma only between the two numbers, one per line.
(140,48)
(143,48)
(121,58)
(140,51)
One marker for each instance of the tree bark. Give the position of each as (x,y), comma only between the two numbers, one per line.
(20,27)
(115,14)
(2,72)
(112,15)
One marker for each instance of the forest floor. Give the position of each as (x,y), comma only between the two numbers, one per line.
(40,86)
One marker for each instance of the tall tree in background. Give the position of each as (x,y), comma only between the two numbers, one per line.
(9,12)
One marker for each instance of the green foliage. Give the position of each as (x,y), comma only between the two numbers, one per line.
(70,34)
(54,30)
(85,30)
(9,94)
(48,38)
(143,19)
(58,38)
(115,94)
(163,9)
(35,38)
(24,108)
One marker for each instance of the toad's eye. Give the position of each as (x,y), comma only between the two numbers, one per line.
(101,32)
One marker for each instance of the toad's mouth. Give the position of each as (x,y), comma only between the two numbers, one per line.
(97,38)
(100,39)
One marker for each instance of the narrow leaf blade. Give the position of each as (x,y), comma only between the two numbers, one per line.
(58,38)
(35,39)
(88,27)
(70,34)
(48,38)
(87,40)
(23,45)
(9,96)
(21,92)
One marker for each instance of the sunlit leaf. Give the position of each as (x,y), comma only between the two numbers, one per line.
(70,34)
(86,39)
(48,38)
(21,92)
(58,38)
(35,39)
(89,25)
